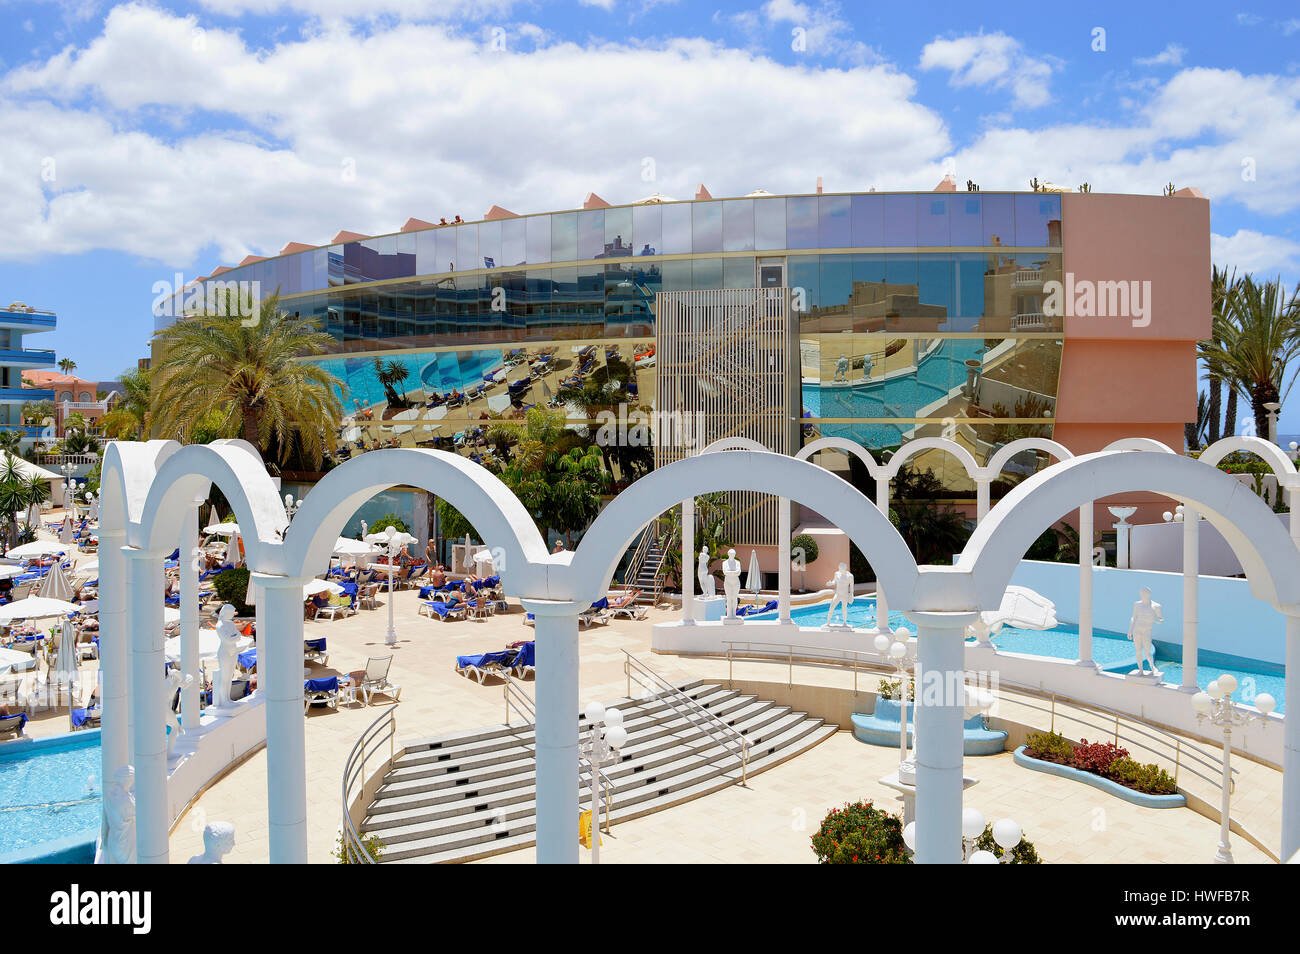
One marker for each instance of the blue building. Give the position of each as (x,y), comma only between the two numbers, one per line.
(16,321)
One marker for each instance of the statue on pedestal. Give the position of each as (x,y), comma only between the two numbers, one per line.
(228,636)
(1145,616)
(708,585)
(842,584)
(119,813)
(842,368)
(731,583)
(173,683)
(218,839)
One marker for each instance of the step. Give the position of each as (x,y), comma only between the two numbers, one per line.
(677,768)
(513,841)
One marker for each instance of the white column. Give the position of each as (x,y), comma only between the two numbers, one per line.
(937,719)
(279,675)
(1291,745)
(688,561)
(148,704)
(557,729)
(114,656)
(1085,584)
(981,499)
(1191,578)
(783,559)
(188,566)
(882,604)
(1293,501)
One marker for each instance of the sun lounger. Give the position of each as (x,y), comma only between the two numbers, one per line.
(625,606)
(444,611)
(486,664)
(86,718)
(374,681)
(526,661)
(596,613)
(321,692)
(13,725)
(340,604)
(314,650)
(757,610)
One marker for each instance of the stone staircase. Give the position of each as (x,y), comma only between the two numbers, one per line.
(470,795)
(649,578)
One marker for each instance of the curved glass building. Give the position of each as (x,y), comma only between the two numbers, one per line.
(914,314)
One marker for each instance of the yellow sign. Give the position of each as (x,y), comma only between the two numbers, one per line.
(584,829)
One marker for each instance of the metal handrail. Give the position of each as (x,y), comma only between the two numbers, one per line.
(518,699)
(354,770)
(1187,755)
(725,735)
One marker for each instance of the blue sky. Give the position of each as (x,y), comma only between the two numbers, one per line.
(138,140)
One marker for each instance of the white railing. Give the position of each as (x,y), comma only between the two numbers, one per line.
(383,729)
(1029,319)
(1027,276)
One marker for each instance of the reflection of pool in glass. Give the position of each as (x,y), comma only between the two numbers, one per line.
(49,791)
(1110,650)
(432,371)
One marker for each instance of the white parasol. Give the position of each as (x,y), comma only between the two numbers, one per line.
(754,579)
(312,587)
(36,607)
(37,548)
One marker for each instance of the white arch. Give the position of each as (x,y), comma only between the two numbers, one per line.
(993,468)
(1267,451)
(1140,444)
(733,443)
(875,469)
(912,448)
(126,474)
(836,499)
(188,473)
(486,502)
(1270,559)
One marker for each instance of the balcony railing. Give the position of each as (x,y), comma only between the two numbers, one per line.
(31,356)
(23,395)
(1027,276)
(40,319)
(1029,321)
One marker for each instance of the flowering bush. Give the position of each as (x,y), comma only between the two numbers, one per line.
(1096,757)
(1049,746)
(859,834)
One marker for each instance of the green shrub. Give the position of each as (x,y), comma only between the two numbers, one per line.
(1022,854)
(806,546)
(386,521)
(1148,778)
(1050,746)
(348,854)
(889,688)
(859,834)
(232,586)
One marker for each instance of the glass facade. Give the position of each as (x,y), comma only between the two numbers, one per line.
(919,313)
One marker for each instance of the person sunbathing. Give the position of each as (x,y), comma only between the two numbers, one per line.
(438,575)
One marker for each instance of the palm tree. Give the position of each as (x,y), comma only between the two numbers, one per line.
(129,418)
(18,491)
(10,441)
(390,374)
(1254,342)
(249,376)
(1194,433)
(1221,286)
(67,365)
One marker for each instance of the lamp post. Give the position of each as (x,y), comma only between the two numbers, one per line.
(1272,407)
(605,737)
(895,648)
(291,506)
(1215,704)
(1006,833)
(393,540)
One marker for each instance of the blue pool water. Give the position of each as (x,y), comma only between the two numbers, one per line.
(1109,650)
(440,371)
(49,791)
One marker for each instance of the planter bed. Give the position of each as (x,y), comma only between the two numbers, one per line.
(1098,781)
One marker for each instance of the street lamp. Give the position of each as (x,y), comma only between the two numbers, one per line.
(605,737)
(393,540)
(291,506)
(895,648)
(1273,407)
(1006,834)
(1216,704)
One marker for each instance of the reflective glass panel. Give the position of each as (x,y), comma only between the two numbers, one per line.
(591,233)
(769,223)
(647,228)
(537,233)
(738,225)
(618,233)
(564,237)
(1033,213)
(965,224)
(900,219)
(489,245)
(868,221)
(514,246)
(932,220)
(737,273)
(834,221)
(999,219)
(676,228)
(444,249)
(706,227)
(801,222)
(467,247)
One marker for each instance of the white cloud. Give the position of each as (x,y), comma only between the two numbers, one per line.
(992,60)
(1171,55)
(1264,255)
(335,10)
(451,130)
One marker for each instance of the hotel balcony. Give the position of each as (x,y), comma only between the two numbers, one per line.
(1027,277)
(23,395)
(30,319)
(1029,321)
(26,358)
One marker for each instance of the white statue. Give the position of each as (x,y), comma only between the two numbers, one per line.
(708,585)
(842,584)
(1145,616)
(119,813)
(172,683)
(228,635)
(866,366)
(842,368)
(731,583)
(218,839)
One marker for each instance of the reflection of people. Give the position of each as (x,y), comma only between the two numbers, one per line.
(1145,616)
(842,368)
(842,585)
(731,582)
(647,250)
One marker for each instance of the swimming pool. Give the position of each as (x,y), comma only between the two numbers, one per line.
(1112,651)
(50,798)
